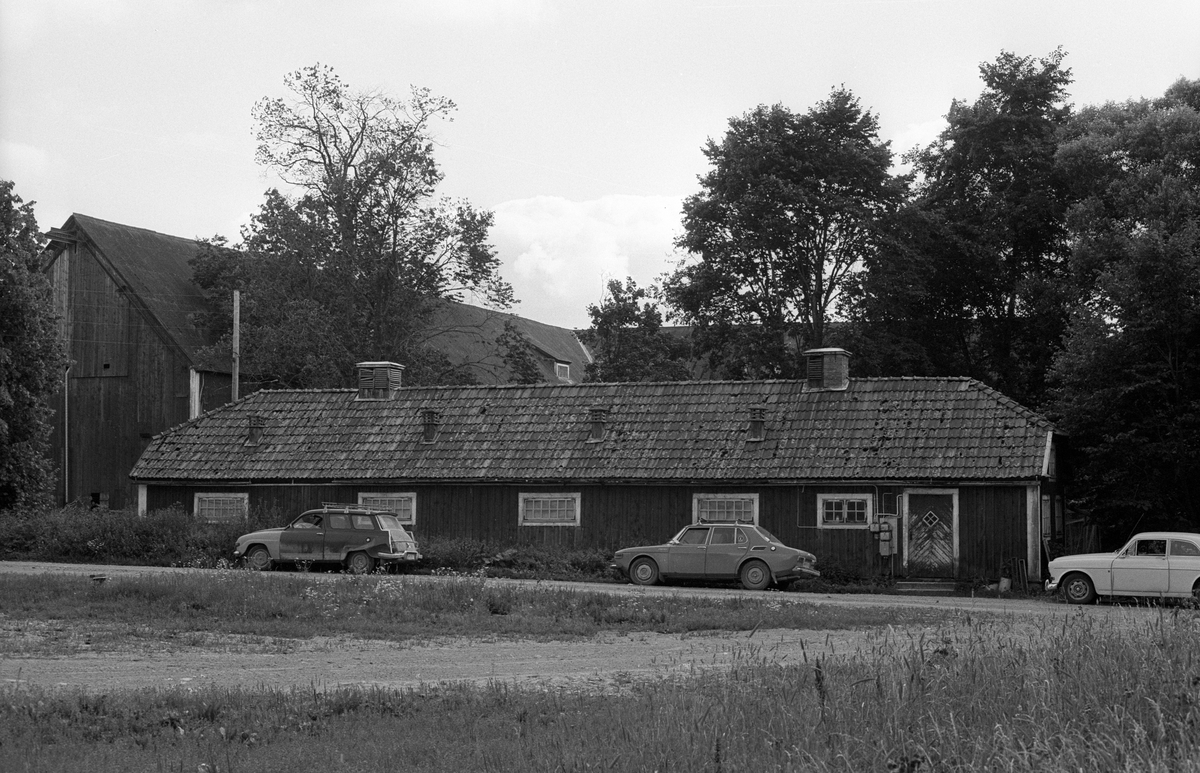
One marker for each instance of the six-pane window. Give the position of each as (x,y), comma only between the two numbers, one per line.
(841,510)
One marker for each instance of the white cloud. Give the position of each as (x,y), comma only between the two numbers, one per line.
(559,254)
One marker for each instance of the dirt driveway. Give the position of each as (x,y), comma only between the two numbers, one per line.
(605,662)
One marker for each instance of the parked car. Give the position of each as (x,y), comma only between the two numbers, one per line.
(359,538)
(1162,564)
(717,551)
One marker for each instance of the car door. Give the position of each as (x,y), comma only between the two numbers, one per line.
(337,536)
(303,539)
(1183,564)
(685,557)
(727,545)
(1141,569)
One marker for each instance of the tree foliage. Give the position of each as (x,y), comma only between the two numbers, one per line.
(971,284)
(352,267)
(32,360)
(791,206)
(1127,381)
(627,340)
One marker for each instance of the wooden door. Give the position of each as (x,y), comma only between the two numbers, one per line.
(931,530)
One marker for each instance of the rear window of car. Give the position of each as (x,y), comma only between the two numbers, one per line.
(768,536)
(364,522)
(339,522)
(1180,547)
(389,522)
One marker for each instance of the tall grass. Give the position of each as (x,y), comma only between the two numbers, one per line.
(1086,695)
(382,607)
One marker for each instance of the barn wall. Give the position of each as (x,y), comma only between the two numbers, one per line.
(124,384)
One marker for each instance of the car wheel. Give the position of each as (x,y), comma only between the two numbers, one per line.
(755,575)
(258,559)
(360,563)
(1078,589)
(644,572)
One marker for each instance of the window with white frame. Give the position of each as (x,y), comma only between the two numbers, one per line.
(403,504)
(549,510)
(562,370)
(221,507)
(725,508)
(844,511)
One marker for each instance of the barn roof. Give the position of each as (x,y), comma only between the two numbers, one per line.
(155,268)
(913,429)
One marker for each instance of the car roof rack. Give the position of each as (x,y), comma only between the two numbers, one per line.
(361,508)
(726,522)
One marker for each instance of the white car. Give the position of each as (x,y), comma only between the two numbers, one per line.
(1161,564)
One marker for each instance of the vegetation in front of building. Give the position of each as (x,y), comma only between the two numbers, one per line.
(969,694)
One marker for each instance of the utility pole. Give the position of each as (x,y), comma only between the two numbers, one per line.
(237,324)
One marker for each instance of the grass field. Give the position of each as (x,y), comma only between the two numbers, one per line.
(959,694)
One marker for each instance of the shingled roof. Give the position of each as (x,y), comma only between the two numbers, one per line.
(906,429)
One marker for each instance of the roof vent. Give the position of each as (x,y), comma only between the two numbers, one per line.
(599,419)
(378,380)
(255,429)
(758,423)
(431,422)
(827,370)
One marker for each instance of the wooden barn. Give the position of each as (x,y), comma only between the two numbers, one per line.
(125,300)
(939,477)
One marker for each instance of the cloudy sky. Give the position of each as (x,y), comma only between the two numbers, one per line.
(579,122)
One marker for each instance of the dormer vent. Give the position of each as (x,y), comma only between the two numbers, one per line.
(378,380)
(254,431)
(598,416)
(758,423)
(826,370)
(431,423)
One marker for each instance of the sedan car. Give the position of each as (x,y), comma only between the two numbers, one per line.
(710,551)
(356,537)
(1161,564)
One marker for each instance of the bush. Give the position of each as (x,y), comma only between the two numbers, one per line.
(80,534)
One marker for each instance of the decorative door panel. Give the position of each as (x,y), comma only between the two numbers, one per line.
(931,535)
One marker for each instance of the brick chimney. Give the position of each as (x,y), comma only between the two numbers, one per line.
(431,422)
(758,423)
(378,380)
(598,416)
(826,370)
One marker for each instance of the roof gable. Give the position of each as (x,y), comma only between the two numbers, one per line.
(877,429)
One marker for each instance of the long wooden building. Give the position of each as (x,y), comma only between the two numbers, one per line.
(125,299)
(940,477)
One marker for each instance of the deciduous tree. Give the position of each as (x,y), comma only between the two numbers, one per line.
(1127,382)
(352,266)
(788,211)
(31,357)
(627,339)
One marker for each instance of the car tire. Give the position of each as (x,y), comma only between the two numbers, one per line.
(644,571)
(1078,589)
(258,559)
(755,575)
(360,563)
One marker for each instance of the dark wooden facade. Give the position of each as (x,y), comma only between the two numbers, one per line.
(993,525)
